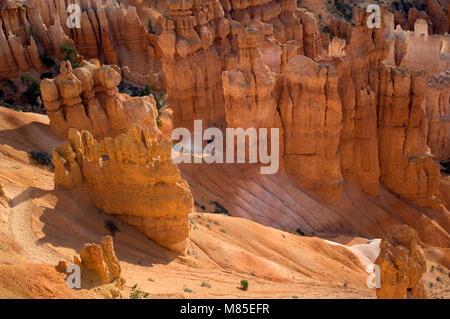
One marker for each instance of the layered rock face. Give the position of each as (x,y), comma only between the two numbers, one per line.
(438,115)
(407,166)
(420,50)
(249,87)
(311,114)
(131,176)
(437,16)
(87,98)
(200,40)
(191,65)
(402,265)
(99,264)
(18,48)
(113,34)
(384,129)
(358,65)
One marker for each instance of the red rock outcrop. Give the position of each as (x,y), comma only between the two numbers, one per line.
(407,167)
(193,68)
(107,32)
(131,176)
(311,114)
(438,115)
(402,264)
(18,48)
(87,98)
(249,87)
(359,67)
(437,16)
(200,39)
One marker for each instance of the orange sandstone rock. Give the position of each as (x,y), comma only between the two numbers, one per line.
(99,263)
(131,176)
(438,115)
(311,113)
(402,264)
(407,167)
(87,98)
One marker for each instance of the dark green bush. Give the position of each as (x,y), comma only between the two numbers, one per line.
(42,158)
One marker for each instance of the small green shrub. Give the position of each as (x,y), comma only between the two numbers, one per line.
(244,285)
(138,294)
(111,227)
(71,55)
(206,284)
(42,158)
(33,89)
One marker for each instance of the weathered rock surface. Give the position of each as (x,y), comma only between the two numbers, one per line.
(249,87)
(87,98)
(193,68)
(107,32)
(407,167)
(99,264)
(311,114)
(438,115)
(402,265)
(200,40)
(131,176)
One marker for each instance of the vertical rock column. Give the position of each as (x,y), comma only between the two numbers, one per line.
(311,114)
(407,167)
(192,67)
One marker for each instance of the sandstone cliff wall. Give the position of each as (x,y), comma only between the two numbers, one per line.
(108,32)
(438,115)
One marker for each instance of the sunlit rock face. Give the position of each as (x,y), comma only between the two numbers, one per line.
(131,176)
(87,98)
(402,264)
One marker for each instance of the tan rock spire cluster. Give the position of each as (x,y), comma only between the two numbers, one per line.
(402,264)
(200,41)
(191,65)
(131,176)
(384,132)
(107,32)
(87,98)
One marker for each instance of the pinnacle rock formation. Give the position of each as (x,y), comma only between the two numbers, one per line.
(311,113)
(87,98)
(249,86)
(115,35)
(438,115)
(402,264)
(202,39)
(407,166)
(131,176)
(99,264)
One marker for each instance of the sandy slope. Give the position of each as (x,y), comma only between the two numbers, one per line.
(40,225)
(43,226)
(276,201)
